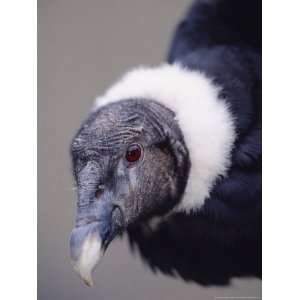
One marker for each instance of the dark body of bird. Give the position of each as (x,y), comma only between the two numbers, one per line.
(221,239)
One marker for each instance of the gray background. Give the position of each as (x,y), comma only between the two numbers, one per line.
(83,46)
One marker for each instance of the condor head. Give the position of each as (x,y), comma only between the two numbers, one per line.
(130,164)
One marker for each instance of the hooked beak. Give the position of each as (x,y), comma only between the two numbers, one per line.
(89,241)
(86,250)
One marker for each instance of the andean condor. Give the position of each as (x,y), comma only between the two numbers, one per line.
(172,154)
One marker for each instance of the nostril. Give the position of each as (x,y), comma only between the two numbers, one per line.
(99,192)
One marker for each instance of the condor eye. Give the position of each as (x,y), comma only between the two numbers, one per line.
(133,153)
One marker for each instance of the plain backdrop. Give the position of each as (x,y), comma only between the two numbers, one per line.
(83,47)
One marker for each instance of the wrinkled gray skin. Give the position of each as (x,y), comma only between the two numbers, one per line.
(113,193)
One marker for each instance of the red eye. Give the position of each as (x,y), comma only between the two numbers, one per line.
(133,153)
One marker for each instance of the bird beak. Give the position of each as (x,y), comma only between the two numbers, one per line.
(98,221)
(89,240)
(86,250)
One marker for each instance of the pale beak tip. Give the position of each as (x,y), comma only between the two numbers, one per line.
(88,281)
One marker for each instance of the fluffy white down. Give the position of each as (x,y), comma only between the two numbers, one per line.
(204,119)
